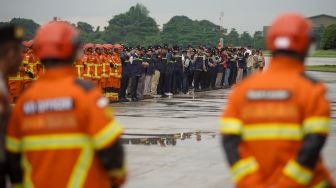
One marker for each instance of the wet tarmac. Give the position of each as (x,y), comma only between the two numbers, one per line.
(173,142)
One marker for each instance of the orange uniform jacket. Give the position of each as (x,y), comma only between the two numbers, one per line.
(105,71)
(15,83)
(89,60)
(79,68)
(29,62)
(270,118)
(116,71)
(60,130)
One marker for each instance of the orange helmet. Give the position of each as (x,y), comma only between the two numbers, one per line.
(98,46)
(108,46)
(56,40)
(118,46)
(27,44)
(87,46)
(290,32)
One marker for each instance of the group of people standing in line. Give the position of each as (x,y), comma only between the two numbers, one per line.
(142,73)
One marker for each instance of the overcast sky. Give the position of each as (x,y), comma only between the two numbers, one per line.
(244,15)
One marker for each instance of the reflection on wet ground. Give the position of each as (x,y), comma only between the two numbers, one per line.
(164,140)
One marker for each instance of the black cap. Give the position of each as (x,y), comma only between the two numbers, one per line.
(10,32)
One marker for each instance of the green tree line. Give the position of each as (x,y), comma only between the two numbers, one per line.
(136,27)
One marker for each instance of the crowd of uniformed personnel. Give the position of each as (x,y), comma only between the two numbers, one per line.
(141,73)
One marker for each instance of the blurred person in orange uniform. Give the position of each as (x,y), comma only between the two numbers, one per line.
(106,69)
(105,63)
(88,60)
(62,130)
(97,65)
(29,61)
(79,63)
(15,81)
(116,71)
(277,121)
(10,58)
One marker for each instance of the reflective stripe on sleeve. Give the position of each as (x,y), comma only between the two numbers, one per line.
(27,181)
(230,126)
(272,131)
(322,184)
(13,144)
(17,185)
(118,173)
(316,125)
(107,135)
(243,168)
(298,173)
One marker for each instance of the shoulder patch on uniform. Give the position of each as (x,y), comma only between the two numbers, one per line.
(310,78)
(87,86)
(268,95)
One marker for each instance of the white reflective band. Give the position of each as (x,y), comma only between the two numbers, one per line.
(317,125)
(272,131)
(298,173)
(230,126)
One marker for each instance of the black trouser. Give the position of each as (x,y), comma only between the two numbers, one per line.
(160,88)
(190,79)
(184,81)
(168,82)
(244,72)
(134,86)
(123,86)
(223,77)
(204,80)
(213,76)
(233,75)
(177,81)
(2,175)
(197,79)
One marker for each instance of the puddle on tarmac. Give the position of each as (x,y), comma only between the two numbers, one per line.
(164,140)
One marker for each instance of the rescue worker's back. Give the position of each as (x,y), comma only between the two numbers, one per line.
(62,127)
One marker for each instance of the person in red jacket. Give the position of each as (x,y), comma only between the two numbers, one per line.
(62,130)
(277,121)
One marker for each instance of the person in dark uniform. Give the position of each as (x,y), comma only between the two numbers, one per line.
(125,75)
(157,71)
(168,89)
(212,69)
(191,54)
(178,71)
(149,72)
(185,71)
(10,59)
(204,70)
(232,65)
(198,64)
(163,61)
(135,72)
